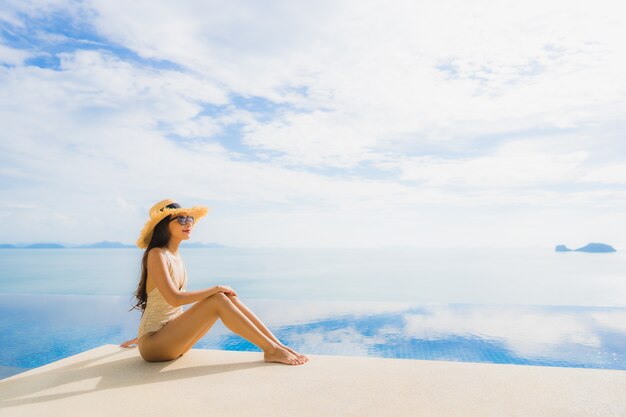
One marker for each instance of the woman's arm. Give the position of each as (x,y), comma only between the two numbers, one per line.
(128,343)
(188,297)
(157,265)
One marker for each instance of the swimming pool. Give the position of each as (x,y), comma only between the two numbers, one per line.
(41,328)
(527,307)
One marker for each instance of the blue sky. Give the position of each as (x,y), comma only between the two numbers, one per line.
(338,124)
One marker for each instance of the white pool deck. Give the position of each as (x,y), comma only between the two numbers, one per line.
(114,381)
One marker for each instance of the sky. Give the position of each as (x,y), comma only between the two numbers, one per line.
(315,124)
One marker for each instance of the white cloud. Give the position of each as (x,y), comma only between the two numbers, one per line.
(313,139)
(513,164)
(528,334)
(613,320)
(345,341)
(612,173)
(303,312)
(125,205)
(418,118)
(12,56)
(539,65)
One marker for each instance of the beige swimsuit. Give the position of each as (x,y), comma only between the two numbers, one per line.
(158,311)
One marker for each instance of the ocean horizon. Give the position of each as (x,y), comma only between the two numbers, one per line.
(523,276)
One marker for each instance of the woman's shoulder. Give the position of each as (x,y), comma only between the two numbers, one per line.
(157,252)
(156,256)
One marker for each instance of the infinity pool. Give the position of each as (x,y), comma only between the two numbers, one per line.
(39,329)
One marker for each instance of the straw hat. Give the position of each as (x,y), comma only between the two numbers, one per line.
(160,211)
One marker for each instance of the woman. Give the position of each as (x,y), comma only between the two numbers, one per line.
(166,331)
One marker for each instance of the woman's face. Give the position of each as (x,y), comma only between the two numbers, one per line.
(179,231)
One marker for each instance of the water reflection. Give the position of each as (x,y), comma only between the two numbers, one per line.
(39,329)
(531,335)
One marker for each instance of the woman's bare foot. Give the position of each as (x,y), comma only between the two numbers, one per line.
(282,355)
(301,356)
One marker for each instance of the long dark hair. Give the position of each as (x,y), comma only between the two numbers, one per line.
(160,237)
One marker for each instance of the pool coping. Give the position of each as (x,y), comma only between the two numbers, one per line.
(110,380)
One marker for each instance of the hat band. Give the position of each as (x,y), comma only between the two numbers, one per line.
(172,206)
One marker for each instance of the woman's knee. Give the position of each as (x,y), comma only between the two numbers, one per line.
(220,296)
(216,300)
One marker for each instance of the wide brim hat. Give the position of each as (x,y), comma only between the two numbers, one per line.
(161,210)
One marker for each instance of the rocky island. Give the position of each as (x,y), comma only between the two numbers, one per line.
(590,248)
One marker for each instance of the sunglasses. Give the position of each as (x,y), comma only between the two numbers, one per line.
(183,220)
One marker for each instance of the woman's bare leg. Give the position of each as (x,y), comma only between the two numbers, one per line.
(255,320)
(238,323)
(259,324)
(171,341)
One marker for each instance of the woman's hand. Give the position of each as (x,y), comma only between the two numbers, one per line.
(128,343)
(226,290)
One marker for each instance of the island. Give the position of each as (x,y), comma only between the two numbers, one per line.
(589,248)
(45,246)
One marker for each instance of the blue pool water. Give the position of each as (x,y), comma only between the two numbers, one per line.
(461,306)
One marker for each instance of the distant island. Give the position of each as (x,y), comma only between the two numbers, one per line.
(98,245)
(33,246)
(589,248)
